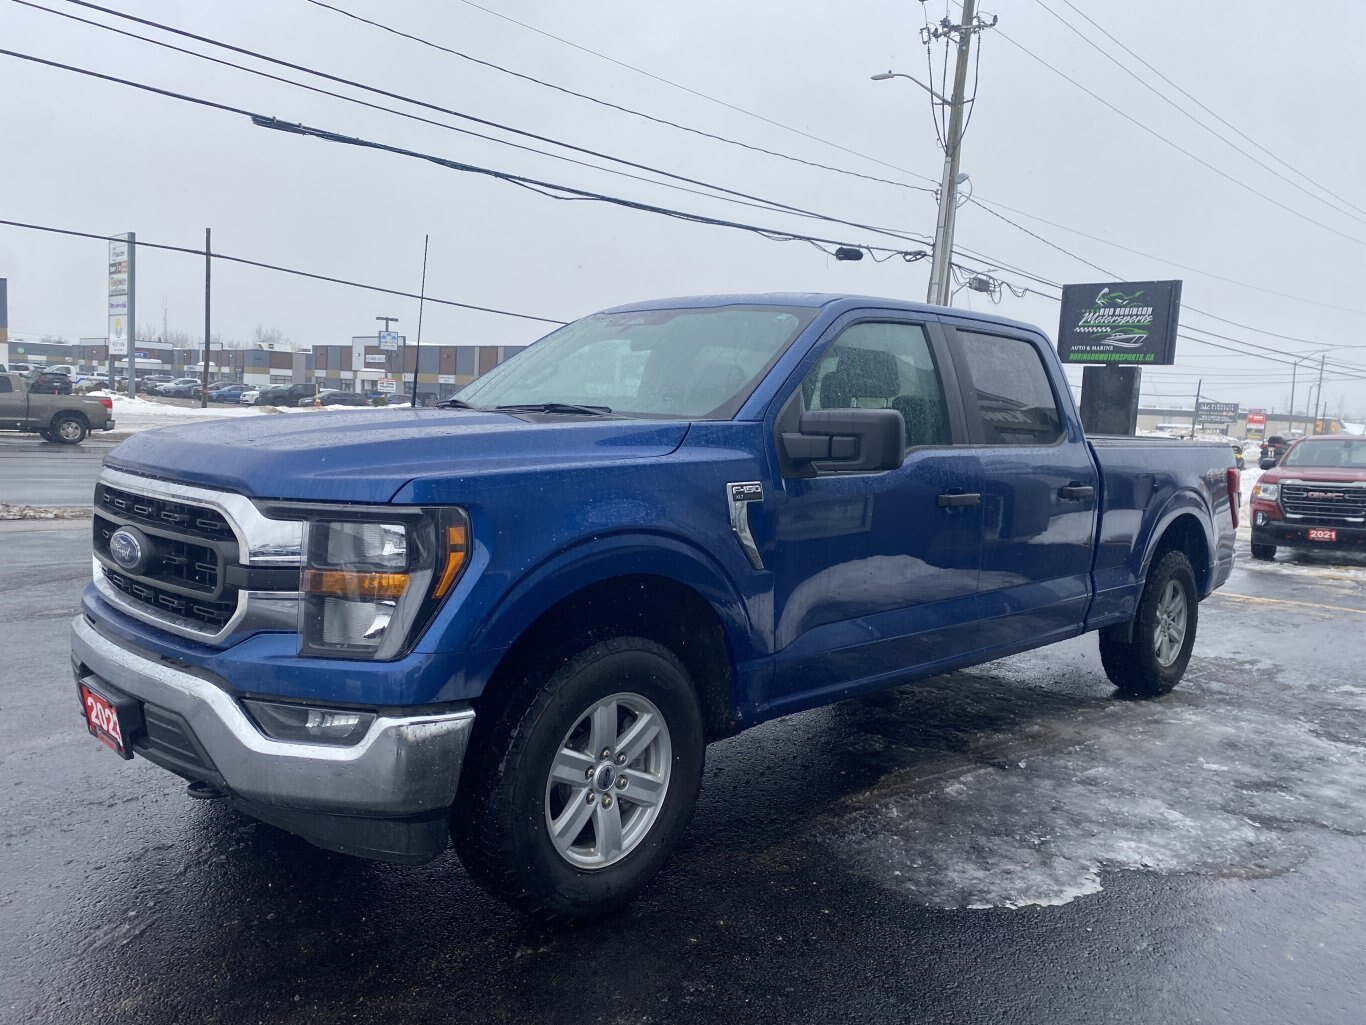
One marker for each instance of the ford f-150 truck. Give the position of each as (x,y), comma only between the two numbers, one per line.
(515,623)
(67,419)
(1314,498)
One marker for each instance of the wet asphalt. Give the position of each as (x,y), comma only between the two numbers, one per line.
(45,473)
(1009,844)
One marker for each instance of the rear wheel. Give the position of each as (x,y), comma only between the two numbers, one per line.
(1266,552)
(582,785)
(1154,658)
(69,429)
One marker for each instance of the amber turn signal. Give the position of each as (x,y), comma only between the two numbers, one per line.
(456,547)
(346,584)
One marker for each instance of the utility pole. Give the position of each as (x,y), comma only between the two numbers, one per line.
(1318,397)
(208,275)
(1290,421)
(941,274)
(417,348)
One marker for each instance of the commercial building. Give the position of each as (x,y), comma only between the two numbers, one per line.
(443,369)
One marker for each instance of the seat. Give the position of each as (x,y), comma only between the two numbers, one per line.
(925,423)
(860,374)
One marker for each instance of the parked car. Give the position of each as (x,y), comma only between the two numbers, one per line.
(59,417)
(19,368)
(515,622)
(227,393)
(48,382)
(284,395)
(336,397)
(1272,450)
(248,397)
(1313,498)
(181,388)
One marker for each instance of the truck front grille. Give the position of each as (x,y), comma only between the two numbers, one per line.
(146,510)
(213,614)
(1324,503)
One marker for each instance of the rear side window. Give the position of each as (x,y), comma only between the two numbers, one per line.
(1014,399)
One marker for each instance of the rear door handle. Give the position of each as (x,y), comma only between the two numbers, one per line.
(1076,491)
(952,499)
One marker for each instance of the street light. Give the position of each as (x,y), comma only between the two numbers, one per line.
(939,291)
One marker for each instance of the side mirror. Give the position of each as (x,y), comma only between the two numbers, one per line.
(848,439)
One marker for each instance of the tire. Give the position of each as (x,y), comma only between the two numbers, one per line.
(1154,660)
(509,800)
(69,429)
(1263,552)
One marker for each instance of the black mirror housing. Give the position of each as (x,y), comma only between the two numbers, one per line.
(867,440)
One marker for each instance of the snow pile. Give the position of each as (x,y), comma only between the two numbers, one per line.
(43,512)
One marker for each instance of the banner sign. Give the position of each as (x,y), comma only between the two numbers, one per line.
(1119,322)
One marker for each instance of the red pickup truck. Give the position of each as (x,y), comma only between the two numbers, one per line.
(1313,498)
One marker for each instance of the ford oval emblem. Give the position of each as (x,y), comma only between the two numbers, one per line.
(126,548)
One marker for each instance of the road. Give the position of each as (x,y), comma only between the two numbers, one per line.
(37,472)
(1009,844)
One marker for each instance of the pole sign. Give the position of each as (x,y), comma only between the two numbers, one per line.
(120,291)
(1256,423)
(1216,414)
(388,340)
(1119,322)
(388,385)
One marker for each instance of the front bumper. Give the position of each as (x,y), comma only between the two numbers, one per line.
(1289,534)
(386,797)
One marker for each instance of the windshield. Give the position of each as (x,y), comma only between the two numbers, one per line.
(1324,452)
(695,364)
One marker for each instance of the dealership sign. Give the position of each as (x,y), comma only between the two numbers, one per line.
(1119,322)
(122,271)
(1216,413)
(1256,423)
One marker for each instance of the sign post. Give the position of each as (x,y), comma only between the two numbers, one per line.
(122,311)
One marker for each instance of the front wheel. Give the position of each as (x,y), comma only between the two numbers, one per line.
(69,429)
(583,784)
(1264,552)
(1154,658)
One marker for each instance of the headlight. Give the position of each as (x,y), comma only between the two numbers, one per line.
(371,586)
(1270,492)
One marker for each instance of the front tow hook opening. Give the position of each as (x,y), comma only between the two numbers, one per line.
(202,791)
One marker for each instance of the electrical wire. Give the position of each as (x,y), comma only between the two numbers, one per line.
(1202,106)
(693,92)
(485,122)
(551,189)
(1164,139)
(613,106)
(1187,114)
(191,251)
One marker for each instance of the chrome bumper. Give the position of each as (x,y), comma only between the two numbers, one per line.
(405,766)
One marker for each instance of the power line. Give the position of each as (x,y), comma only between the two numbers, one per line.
(615,106)
(479,120)
(191,251)
(1187,114)
(403,113)
(1207,110)
(694,92)
(1158,135)
(545,188)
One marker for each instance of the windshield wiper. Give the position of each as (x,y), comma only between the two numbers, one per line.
(554,407)
(454,403)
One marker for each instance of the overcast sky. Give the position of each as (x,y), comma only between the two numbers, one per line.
(99,157)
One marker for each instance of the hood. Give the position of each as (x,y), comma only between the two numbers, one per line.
(367,456)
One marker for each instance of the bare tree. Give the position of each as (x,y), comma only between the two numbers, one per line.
(269,338)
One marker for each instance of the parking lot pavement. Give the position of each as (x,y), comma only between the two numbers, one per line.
(1007,844)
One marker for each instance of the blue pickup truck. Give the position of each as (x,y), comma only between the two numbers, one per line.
(514,623)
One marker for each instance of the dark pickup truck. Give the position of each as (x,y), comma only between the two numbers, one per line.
(66,419)
(515,623)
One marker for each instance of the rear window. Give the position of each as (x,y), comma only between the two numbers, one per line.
(1014,399)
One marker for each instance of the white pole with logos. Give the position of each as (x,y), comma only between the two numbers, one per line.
(121,311)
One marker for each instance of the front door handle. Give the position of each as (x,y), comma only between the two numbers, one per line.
(955,498)
(1076,491)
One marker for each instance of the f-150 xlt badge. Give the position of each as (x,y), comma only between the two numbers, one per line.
(739,496)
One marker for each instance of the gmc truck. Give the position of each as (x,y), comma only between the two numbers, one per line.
(1313,498)
(514,624)
(67,419)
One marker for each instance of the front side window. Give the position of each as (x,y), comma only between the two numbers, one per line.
(697,364)
(883,365)
(1014,399)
